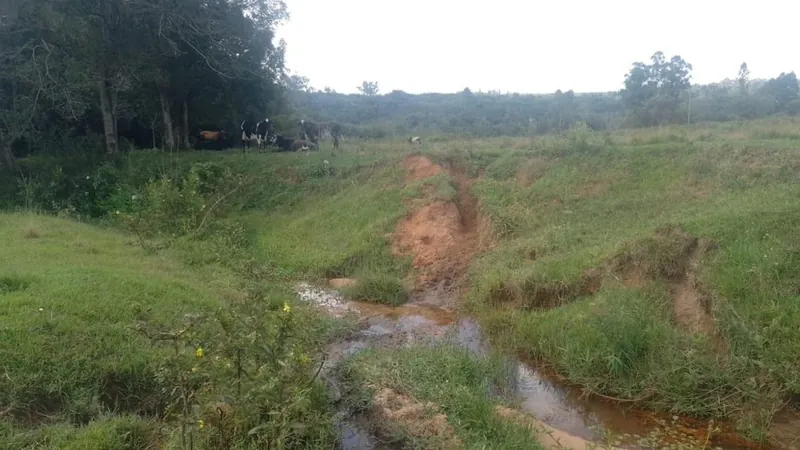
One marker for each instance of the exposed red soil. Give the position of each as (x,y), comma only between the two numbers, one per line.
(442,236)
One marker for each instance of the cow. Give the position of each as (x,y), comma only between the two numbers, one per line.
(284,144)
(212,139)
(302,144)
(210,135)
(248,134)
(262,132)
(310,131)
(415,140)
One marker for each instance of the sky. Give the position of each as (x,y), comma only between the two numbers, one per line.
(530,46)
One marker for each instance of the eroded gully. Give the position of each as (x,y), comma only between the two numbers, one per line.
(575,420)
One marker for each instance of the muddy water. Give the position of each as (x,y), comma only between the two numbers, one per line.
(540,393)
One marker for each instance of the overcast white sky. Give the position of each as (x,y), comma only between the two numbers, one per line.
(530,46)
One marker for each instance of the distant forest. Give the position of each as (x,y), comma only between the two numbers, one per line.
(658,92)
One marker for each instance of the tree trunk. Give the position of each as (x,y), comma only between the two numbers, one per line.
(109,121)
(8,160)
(185,131)
(169,137)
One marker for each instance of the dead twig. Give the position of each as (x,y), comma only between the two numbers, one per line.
(211,209)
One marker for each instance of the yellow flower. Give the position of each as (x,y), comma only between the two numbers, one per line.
(287,308)
(200,424)
(199,352)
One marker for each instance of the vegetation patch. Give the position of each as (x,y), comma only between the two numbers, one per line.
(383,289)
(9,284)
(695,282)
(443,386)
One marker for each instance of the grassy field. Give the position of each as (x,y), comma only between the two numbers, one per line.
(653,264)
(79,306)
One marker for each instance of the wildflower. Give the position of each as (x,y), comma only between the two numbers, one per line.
(200,424)
(287,308)
(133,197)
(41,309)
(199,352)
(304,358)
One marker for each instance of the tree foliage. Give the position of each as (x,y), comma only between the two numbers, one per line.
(145,71)
(369,88)
(743,79)
(654,90)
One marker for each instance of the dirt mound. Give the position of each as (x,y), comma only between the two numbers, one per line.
(671,255)
(443,236)
(419,167)
(420,420)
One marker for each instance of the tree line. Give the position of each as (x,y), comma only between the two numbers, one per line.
(656,92)
(92,73)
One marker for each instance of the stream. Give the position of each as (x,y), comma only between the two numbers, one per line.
(540,393)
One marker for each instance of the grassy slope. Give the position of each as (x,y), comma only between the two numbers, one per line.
(593,197)
(67,344)
(735,186)
(314,224)
(739,188)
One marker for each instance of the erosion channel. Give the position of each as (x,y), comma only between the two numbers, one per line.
(442,236)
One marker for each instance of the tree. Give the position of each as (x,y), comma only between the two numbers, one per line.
(298,83)
(369,88)
(784,89)
(655,89)
(743,78)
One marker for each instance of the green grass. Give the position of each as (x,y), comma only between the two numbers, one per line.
(457,382)
(105,433)
(561,206)
(381,289)
(589,209)
(67,338)
(73,298)
(330,225)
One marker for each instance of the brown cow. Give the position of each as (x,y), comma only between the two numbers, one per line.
(209,135)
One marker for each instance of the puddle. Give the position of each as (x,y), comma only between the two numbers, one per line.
(541,394)
(354,435)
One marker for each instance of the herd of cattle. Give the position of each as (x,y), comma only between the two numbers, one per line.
(263,135)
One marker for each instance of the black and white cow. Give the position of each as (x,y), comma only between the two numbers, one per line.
(415,140)
(310,131)
(248,134)
(262,132)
